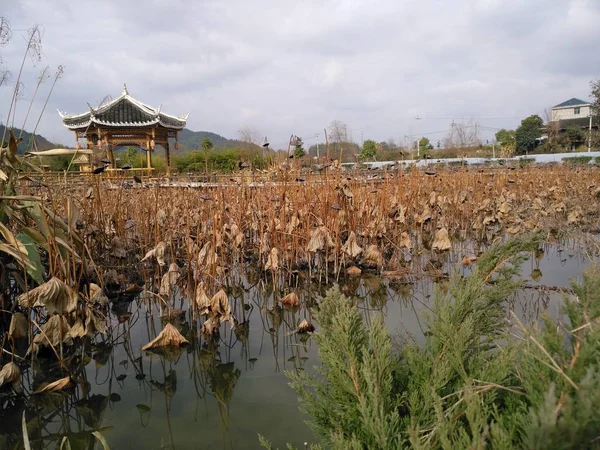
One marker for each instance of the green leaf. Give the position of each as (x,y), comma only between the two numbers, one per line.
(36,269)
(142,408)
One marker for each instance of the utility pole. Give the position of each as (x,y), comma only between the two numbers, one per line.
(590,133)
(317,136)
(418,139)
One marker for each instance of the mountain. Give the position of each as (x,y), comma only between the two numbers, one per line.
(41,143)
(191,140)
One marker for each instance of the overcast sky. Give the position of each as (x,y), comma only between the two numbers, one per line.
(286,67)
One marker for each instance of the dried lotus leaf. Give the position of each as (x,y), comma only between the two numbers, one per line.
(55,386)
(158,253)
(442,240)
(305,327)
(353,271)
(55,331)
(210,327)
(202,300)
(351,247)
(291,300)
(77,330)
(169,336)
(220,307)
(372,257)
(95,321)
(273,260)
(9,374)
(19,327)
(405,240)
(97,295)
(117,248)
(54,295)
(575,216)
(319,240)
(169,280)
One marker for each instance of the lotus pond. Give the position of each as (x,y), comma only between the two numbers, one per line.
(219,393)
(102,274)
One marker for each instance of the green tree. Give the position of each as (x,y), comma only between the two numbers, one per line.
(425,144)
(206,145)
(299,151)
(574,135)
(369,149)
(527,133)
(505,138)
(595,95)
(130,156)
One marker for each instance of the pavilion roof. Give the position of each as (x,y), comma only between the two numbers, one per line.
(124,111)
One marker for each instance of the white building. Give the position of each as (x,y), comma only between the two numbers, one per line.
(571,109)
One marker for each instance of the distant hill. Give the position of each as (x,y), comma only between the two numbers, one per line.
(41,143)
(188,140)
(191,140)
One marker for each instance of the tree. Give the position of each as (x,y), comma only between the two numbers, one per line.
(338,131)
(505,138)
(527,134)
(206,146)
(595,95)
(130,156)
(424,144)
(369,149)
(462,135)
(249,136)
(574,135)
(299,151)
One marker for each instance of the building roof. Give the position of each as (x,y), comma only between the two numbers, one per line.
(572,102)
(124,111)
(581,122)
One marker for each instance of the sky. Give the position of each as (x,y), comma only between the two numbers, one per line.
(292,67)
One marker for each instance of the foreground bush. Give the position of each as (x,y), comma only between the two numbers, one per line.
(479,381)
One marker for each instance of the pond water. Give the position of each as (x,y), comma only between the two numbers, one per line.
(221,395)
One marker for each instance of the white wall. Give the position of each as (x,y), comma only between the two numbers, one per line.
(569,113)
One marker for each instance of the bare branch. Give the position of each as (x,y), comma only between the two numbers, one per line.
(5,32)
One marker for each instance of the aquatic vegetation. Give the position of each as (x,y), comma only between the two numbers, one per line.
(479,380)
(328,222)
(199,265)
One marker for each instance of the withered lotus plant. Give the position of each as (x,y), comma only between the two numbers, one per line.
(169,336)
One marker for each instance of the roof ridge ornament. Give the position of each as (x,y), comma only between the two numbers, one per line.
(125,92)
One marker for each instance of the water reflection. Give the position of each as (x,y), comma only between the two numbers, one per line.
(220,392)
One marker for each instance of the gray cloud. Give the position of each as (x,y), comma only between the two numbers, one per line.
(294,66)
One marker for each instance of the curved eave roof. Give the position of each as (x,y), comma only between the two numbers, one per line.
(78,124)
(124,111)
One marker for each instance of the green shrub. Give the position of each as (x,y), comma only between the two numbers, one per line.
(524,162)
(577,160)
(479,380)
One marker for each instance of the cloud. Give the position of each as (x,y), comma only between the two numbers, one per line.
(293,67)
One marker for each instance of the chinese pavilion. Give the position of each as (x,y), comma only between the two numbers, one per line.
(125,121)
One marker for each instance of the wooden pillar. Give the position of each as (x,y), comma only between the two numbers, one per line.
(148,155)
(168,158)
(111,153)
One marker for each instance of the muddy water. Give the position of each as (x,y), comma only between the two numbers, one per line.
(222,395)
